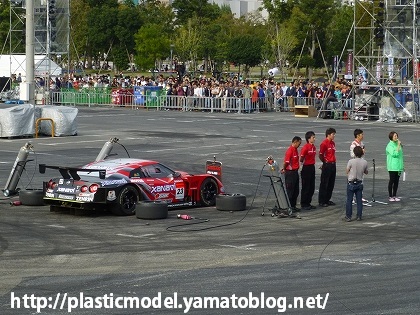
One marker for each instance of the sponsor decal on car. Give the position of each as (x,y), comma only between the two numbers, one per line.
(161,195)
(84,198)
(111,195)
(157,189)
(66,190)
(113,182)
(49,195)
(67,197)
(137,180)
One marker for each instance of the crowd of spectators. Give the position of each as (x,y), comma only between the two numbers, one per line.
(253,94)
(282,95)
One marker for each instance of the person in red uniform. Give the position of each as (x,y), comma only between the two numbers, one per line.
(328,170)
(307,174)
(290,170)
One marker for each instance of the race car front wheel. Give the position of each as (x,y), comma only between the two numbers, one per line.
(126,201)
(208,192)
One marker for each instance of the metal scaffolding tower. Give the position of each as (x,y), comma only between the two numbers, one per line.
(385,51)
(51,19)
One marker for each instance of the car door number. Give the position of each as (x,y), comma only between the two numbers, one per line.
(179,193)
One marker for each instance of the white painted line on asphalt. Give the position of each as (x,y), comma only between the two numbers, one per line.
(104,115)
(359,262)
(246,247)
(193,148)
(57,226)
(377,224)
(244,184)
(72,142)
(135,236)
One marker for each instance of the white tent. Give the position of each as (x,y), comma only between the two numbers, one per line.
(15,64)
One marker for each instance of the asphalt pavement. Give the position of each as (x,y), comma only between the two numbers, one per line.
(249,263)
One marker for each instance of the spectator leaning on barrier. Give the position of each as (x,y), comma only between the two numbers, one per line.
(261,96)
(247,91)
(291,94)
(278,97)
(284,87)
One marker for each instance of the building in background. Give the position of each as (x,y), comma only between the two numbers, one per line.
(238,7)
(242,7)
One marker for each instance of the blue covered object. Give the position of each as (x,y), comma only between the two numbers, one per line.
(14,102)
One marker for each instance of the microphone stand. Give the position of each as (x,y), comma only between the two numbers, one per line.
(373,187)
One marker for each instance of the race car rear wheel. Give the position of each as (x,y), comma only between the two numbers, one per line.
(231,202)
(126,201)
(151,210)
(208,192)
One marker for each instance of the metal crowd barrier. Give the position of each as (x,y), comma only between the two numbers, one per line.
(343,109)
(163,102)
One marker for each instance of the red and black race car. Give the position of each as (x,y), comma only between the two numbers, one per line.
(118,184)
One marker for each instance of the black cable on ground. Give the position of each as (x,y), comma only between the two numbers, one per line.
(170,228)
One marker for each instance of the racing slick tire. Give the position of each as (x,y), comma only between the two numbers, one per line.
(152,210)
(208,192)
(126,201)
(31,197)
(231,202)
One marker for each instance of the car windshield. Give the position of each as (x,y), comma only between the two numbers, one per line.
(154,171)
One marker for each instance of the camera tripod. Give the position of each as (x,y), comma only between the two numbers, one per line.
(373,200)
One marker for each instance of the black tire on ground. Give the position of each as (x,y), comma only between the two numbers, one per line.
(151,210)
(231,202)
(126,201)
(208,192)
(31,197)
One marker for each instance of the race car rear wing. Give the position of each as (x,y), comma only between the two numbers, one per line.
(71,172)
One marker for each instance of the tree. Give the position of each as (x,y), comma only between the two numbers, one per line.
(200,8)
(152,11)
(101,31)
(102,3)
(283,42)
(307,24)
(124,46)
(152,44)
(215,36)
(78,28)
(245,49)
(186,43)
(339,33)
(280,10)
(16,38)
